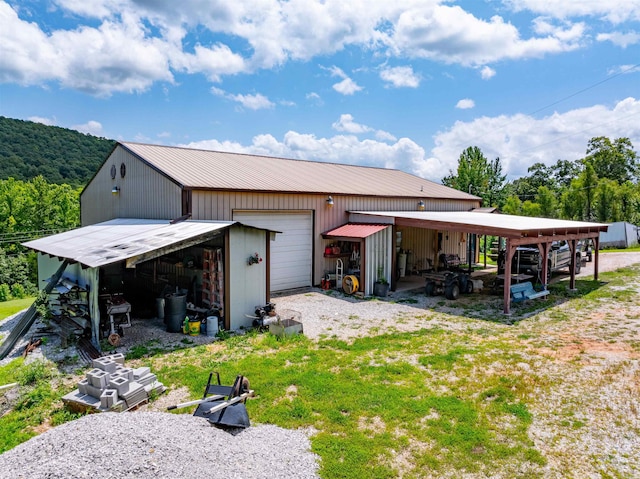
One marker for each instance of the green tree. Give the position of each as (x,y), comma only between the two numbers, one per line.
(496,181)
(629,200)
(572,201)
(588,181)
(564,172)
(527,187)
(512,206)
(471,172)
(607,206)
(616,161)
(478,176)
(530,208)
(546,199)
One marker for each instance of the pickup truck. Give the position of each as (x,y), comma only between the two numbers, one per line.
(527,259)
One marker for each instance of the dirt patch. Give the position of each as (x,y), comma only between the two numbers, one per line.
(576,348)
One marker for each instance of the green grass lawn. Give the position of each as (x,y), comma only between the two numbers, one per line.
(371,400)
(7,308)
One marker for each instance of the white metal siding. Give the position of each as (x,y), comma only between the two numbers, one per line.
(247,284)
(379,247)
(292,250)
(144,192)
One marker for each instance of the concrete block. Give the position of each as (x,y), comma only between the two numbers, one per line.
(94,391)
(140,372)
(82,386)
(148,379)
(120,384)
(128,372)
(117,358)
(105,364)
(98,378)
(108,398)
(132,389)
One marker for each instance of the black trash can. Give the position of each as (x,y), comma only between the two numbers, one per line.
(175,310)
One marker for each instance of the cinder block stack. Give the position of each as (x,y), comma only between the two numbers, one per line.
(111,386)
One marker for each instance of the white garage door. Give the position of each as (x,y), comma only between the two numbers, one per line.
(292,250)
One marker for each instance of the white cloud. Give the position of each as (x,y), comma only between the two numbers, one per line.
(127,45)
(624,69)
(401,77)
(315,98)
(44,121)
(164,134)
(385,136)
(346,124)
(451,35)
(346,87)
(620,39)
(487,72)
(404,154)
(520,140)
(214,61)
(617,11)
(91,127)
(252,102)
(112,57)
(465,104)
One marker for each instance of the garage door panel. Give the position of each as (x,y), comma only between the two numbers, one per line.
(292,250)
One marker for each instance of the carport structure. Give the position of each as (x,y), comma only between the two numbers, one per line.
(517,230)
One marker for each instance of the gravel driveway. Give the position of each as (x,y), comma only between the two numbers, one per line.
(340,316)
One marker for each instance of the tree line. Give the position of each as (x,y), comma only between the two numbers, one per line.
(42,171)
(602,186)
(30,209)
(60,155)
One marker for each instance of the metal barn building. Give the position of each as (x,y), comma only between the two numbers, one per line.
(302,200)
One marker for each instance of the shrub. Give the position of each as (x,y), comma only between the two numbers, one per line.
(17,291)
(5,292)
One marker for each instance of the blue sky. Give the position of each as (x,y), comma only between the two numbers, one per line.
(407,84)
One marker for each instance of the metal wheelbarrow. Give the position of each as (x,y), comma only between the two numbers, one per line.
(223,406)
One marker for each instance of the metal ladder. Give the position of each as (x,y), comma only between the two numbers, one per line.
(339,273)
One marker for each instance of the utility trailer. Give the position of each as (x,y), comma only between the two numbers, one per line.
(449,283)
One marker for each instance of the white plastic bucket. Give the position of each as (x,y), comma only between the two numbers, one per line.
(212,325)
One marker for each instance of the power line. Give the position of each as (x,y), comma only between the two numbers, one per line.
(622,72)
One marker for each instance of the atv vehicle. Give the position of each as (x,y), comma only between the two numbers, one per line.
(451,283)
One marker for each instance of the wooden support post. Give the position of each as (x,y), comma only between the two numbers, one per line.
(596,247)
(509,250)
(572,267)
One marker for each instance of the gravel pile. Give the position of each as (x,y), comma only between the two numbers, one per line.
(158,445)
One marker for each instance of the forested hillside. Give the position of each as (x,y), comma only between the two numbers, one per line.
(60,155)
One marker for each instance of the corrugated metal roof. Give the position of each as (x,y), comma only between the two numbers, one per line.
(121,239)
(242,172)
(505,225)
(354,230)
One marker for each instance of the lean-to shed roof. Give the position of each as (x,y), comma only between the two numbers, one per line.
(122,239)
(214,170)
